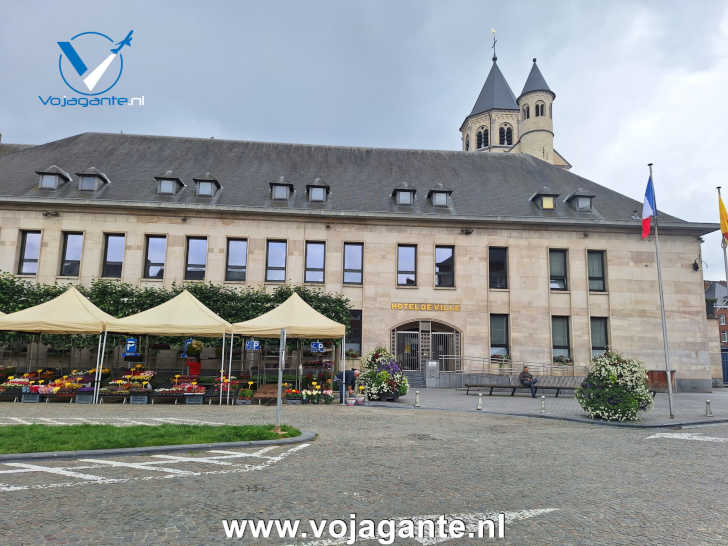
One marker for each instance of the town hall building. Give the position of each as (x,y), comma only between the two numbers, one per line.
(498,250)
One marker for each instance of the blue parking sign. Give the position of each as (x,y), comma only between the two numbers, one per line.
(252,345)
(317,347)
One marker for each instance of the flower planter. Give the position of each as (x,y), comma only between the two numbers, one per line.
(84,398)
(32,397)
(138,398)
(194,398)
(243,401)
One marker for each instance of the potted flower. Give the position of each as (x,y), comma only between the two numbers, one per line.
(327,396)
(382,377)
(294,396)
(245,397)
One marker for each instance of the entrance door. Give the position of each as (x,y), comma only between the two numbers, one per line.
(408,350)
(443,350)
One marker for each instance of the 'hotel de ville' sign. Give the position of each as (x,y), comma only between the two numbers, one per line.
(425,306)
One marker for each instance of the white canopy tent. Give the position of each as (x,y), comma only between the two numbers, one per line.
(297,319)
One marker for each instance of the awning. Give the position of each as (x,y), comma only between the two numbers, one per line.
(181,316)
(69,313)
(299,319)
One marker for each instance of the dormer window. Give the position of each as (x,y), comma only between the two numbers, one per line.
(580,200)
(168,186)
(440,198)
(205,188)
(404,197)
(545,200)
(50,181)
(88,183)
(317,194)
(583,203)
(280,192)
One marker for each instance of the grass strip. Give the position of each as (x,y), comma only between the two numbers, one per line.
(37,438)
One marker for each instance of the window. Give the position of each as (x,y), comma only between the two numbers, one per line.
(599,336)
(275,264)
(724,337)
(539,109)
(406,265)
(237,259)
(505,134)
(557,269)
(547,202)
(499,335)
(353,336)
(113,256)
(560,334)
(595,262)
(445,266)
(315,260)
(88,183)
(155,256)
(583,203)
(167,186)
(526,112)
(498,266)
(49,181)
(439,198)
(722,320)
(196,258)
(467,142)
(281,192)
(206,188)
(317,194)
(353,259)
(405,197)
(29,252)
(482,138)
(72,248)
(551,110)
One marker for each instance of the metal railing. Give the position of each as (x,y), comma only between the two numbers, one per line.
(500,366)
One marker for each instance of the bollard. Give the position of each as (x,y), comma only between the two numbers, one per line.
(123,401)
(417,399)
(209,402)
(543,403)
(479,407)
(175,401)
(46,400)
(708,411)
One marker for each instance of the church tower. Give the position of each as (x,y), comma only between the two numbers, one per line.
(492,126)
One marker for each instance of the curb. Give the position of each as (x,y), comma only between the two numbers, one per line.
(676,424)
(303,437)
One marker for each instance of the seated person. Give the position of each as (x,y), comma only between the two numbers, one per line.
(527,380)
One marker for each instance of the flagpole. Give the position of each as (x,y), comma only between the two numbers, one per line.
(723,244)
(662,307)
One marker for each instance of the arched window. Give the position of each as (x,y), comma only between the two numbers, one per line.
(551,110)
(526,112)
(505,135)
(540,109)
(502,136)
(480,139)
(485,138)
(467,142)
(509,136)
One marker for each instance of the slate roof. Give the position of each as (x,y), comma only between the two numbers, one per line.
(535,82)
(492,187)
(6,149)
(496,93)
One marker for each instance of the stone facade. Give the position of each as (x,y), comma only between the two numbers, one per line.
(630,302)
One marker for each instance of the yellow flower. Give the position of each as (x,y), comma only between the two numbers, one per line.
(250,383)
(40,382)
(11,377)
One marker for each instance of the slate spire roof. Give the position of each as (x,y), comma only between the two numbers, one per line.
(496,93)
(535,82)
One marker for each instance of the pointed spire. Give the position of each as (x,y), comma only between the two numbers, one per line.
(496,93)
(535,82)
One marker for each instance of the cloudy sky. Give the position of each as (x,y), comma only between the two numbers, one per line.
(635,81)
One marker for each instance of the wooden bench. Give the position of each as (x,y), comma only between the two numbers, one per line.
(490,381)
(512,383)
(556,382)
(266,392)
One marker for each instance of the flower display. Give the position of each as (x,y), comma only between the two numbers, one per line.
(615,389)
(381,376)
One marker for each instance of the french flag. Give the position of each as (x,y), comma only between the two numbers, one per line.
(648,209)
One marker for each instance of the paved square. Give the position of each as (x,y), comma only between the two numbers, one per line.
(557,482)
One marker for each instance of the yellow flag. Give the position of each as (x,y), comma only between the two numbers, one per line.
(723,218)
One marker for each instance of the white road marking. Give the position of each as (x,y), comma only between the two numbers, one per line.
(471,521)
(687,436)
(55,470)
(209,460)
(95,480)
(139,466)
(52,421)
(258,453)
(21,421)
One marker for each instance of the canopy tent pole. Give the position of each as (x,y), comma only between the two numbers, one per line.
(99,368)
(222,366)
(281,363)
(230,365)
(98,358)
(343,368)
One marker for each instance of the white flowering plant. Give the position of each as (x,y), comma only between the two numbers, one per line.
(615,389)
(381,376)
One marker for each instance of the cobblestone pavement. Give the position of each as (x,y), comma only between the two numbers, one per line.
(687,407)
(559,482)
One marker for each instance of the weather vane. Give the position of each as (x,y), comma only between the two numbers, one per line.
(492,33)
